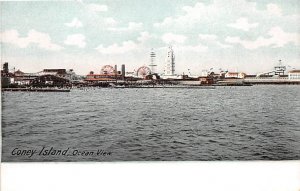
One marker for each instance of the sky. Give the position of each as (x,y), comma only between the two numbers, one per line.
(237,35)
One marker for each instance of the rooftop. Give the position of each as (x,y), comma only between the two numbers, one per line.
(59,71)
(294,71)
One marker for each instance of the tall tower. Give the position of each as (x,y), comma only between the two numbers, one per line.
(152,64)
(170,63)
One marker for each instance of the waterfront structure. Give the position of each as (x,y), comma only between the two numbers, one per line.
(108,73)
(49,80)
(170,63)
(62,73)
(95,78)
(206,80)
(235,75)
(5,76)
(73,77)
(22,78)
(278,71)
(152,64)
(294,75)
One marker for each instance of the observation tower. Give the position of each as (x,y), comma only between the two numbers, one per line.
(170,63)
(152,64)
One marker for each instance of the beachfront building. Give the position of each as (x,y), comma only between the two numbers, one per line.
(239,75)
(96,78)
(48,80)
(294,75)
(107,73)
(61,73)
(22,78)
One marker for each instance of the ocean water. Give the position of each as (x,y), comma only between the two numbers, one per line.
(102,124)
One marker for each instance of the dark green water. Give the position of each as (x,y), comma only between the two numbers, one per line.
(226,123)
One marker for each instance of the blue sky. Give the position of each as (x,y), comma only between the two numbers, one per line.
(238,35)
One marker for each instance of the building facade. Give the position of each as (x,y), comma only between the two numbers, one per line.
(294,75)
(96,78)
(239,75)
(22,78)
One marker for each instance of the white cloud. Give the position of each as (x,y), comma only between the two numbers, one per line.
(213,40)
(117,49)
(110,21)
(42,40)
(166,22)
(210,37)
(135,26)
(196,48)
(76,40)
(126,46)
(223,45)
(274,9)
(173,38)
(216,14)
(192,14)
(277,38)
(243,24)
(132,26)
(144,36)
(97,7)
(74,23)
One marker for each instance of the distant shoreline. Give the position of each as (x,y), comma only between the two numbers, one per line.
(213,86)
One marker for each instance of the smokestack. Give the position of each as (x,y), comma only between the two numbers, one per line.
(116,72)
(123,71)
(116,69)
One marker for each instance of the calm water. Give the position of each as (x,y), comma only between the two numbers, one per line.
(226,123)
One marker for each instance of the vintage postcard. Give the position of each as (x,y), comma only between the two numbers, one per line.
(159,80)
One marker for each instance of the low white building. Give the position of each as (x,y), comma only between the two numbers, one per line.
(294,75)
(235,75)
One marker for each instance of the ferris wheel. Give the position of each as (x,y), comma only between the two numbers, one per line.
(143,71)
(107,69)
